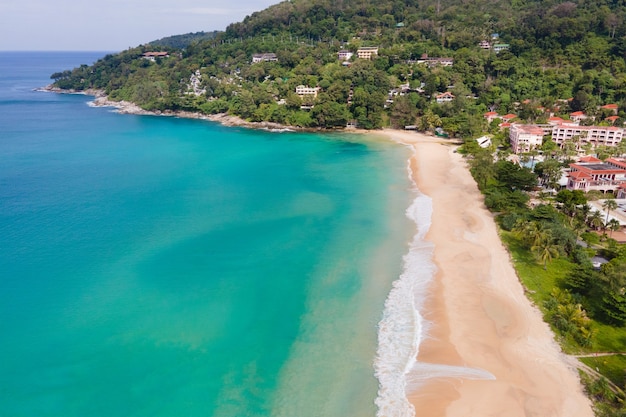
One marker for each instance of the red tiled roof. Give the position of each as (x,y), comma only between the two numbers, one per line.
(509,116)
(577,175)
(610,106)
(589,158)
(619,162)
(577,113)
(490,113)
(612,118)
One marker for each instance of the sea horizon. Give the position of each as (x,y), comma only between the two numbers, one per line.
(179,265)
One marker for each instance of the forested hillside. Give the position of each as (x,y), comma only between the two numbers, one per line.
(554,51)
(182,41)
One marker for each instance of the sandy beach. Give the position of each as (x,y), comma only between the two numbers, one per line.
(480,317)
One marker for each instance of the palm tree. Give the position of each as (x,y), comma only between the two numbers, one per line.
(608,204)
(594,220)
(544,248)
(613,225)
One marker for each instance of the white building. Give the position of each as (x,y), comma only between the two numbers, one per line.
(345,55)
(268,57)
(444,97)
(525,137)
(367,52)
(303,91)
(596,135)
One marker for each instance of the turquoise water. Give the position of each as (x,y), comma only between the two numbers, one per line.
(154,266)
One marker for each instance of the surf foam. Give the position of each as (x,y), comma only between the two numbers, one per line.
(402,327)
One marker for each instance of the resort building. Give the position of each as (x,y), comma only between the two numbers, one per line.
(304,91)
(596,135)
(484,44)
(268,57)
(524,138)
(367,52)
(592,174)
(564,132)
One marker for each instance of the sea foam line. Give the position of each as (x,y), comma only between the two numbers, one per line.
(402,327)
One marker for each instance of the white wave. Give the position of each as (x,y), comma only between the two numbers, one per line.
(402,327)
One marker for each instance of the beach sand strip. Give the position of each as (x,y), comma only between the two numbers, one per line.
(480,317)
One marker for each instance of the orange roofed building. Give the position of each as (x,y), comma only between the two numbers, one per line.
(612,107)
(591,173)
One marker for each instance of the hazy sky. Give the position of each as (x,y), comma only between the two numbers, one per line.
(112,25)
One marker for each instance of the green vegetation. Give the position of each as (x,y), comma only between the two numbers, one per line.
(556,51)
(182,41)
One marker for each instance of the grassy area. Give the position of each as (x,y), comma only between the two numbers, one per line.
(539,283)
(609,338)
(613,367)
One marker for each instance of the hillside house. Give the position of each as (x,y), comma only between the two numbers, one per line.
(508,117)
(152,56)
(345,55)
(433,62)
(577,116)
(499,47)
(367,52)
(444,97)
(267,57)
(612,107)
(491,116)
(303,91)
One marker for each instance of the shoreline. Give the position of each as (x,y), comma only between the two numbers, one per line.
(479,317)
(477,314)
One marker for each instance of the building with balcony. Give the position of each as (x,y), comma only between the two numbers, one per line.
(524,138)
(592,174)
(367,52)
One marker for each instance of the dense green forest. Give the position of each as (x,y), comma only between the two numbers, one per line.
(182,41)
(557,51)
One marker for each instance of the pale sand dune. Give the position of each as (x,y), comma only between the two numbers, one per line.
(479,313)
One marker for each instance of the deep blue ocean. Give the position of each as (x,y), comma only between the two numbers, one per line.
(156,266)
